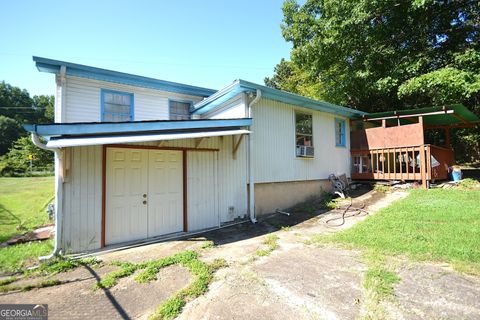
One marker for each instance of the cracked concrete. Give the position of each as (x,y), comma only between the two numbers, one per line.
(295,281)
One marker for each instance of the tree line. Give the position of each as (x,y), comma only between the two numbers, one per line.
(381,55)
(18,155)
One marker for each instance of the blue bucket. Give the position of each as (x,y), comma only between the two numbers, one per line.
(456,175)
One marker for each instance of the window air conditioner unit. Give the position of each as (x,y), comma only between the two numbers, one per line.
(305,151)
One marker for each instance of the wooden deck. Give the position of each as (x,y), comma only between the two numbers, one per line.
(410,163)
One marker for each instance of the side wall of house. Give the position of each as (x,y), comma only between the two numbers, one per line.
(275,163)
(83,189)
(234,108)
(83,100)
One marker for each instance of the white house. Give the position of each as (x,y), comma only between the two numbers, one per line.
(139,158)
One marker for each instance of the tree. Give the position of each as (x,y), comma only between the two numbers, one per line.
(17,160)
(9,132)
(16,103)
(359,53)
(379,55)
(44,107)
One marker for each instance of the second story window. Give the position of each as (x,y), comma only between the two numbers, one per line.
(304,135)
(179,110)
(116,106)
(340,138)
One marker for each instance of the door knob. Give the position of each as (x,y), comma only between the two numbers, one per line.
(144,195)
(144,202)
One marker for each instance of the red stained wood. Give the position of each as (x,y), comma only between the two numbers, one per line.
(390,137)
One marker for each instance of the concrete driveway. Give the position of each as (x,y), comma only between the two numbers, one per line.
(296,280)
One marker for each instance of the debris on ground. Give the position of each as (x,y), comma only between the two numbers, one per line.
(41,233)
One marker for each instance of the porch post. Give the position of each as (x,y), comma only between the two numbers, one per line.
(423,171)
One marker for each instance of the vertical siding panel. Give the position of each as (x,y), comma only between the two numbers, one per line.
(274,145)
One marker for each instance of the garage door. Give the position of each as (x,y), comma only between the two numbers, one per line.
(144,194)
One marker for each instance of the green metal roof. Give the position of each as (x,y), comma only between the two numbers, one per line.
(455,115)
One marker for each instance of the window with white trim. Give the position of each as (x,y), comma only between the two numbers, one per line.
(303,135)
(179,110)
(116,106)
(340,138)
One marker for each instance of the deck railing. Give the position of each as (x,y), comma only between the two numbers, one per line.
(402,163)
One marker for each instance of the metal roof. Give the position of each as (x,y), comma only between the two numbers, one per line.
(131,138)
(455,115)
(239,86)
(79,70)
(136,127)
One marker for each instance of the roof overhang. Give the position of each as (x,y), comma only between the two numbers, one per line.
(136,127)
(453,116)
(86,134)
(240,86)
(125,139)
(78,70)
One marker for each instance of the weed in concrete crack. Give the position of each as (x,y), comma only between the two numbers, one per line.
(208,244)
(111,279)
(271,242)
(204,275)
(42,284)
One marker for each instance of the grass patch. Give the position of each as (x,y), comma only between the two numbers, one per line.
(470,184)
(434,225)
(17,257)
(111,279)
(22,207)
(28,287)
(61,264)
(22,204)
(208,244)
(203,272)
(378,278)
(271,244)
(381,188)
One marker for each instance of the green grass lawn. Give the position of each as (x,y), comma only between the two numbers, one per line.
(22,203)
(435,225)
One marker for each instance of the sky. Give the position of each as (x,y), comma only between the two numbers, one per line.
(208,43)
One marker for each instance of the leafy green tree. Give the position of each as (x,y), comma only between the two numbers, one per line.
(17,160)
(378,55)
(44,107)
(9,132)
(16,103)
(362,51)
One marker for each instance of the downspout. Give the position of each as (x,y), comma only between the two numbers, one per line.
(251,189)
(58,194)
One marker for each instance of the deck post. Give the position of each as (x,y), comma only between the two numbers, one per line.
(423,166)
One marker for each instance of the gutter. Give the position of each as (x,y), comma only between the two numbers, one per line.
(58,195)
(251,189)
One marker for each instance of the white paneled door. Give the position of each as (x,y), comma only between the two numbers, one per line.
(144,194)
(165,192)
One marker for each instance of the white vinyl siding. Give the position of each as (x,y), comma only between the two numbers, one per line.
(83,100)
(231,109)
(274,141)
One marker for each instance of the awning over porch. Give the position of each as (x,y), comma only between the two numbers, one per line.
(90,141)
(455,115)
(87,134)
